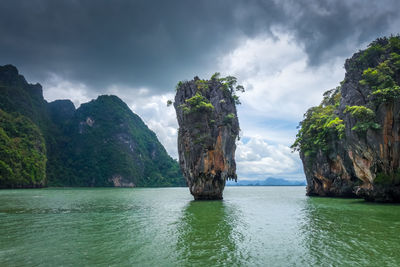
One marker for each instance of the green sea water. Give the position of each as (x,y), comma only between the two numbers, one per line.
(252,226)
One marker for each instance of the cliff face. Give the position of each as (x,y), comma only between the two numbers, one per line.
(102,143)
(350,144)
(208,128)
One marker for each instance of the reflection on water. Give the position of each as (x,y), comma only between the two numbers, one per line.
(207,234)
(253,226)
(350,232)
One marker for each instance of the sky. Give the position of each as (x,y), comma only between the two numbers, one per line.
(285,53)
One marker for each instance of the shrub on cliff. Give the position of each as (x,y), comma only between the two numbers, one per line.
(383,60)
(197,103)
(228,84)
(382,80)
(320,127)
(365,118)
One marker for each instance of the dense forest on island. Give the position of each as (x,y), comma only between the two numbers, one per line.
(102,143)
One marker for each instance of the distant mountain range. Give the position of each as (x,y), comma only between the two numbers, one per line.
(267,182)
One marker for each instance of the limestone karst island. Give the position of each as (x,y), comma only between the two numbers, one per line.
(199,133)
(350,143)
(208,129)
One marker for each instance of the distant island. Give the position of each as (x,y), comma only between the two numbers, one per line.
(267,182)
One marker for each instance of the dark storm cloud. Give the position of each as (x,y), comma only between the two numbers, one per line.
(141,43)
(156,43)
(326,28)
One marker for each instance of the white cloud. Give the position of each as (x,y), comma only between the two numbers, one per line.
(279,83)
(280,87)
(256,159)
(55,87)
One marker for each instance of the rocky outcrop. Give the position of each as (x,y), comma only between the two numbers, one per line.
(350,144)
(327,175)
(208,128)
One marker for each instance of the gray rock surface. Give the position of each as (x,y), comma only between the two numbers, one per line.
(354,162)
(206,137)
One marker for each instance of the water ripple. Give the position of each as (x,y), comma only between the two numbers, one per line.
(262,226)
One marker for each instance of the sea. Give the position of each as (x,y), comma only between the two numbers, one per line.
(252,226)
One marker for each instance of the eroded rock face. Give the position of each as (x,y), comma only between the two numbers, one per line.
(363,163)
(119,181)
(327,175)
(208,128)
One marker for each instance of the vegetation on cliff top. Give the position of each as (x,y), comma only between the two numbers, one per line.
(199,103)
(321,126)
(380,75)
(379,67)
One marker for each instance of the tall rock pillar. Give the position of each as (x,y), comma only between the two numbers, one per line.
(208,128)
